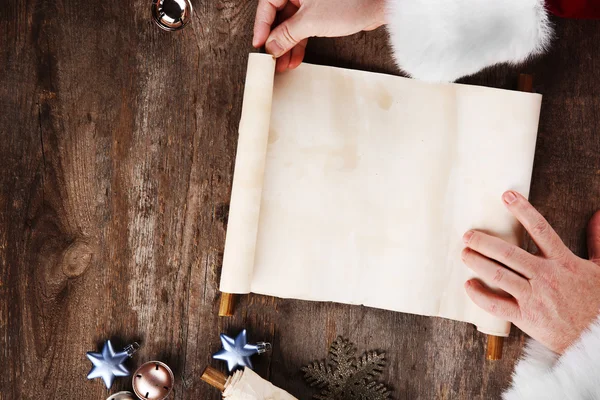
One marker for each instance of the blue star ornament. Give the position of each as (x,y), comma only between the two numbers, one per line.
(108,364)
(236,352)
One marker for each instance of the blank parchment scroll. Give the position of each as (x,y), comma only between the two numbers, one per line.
(357,187)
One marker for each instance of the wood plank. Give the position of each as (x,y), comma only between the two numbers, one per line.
(117,159)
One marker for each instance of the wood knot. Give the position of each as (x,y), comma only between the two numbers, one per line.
(46,95)
(76,258)
(221,213)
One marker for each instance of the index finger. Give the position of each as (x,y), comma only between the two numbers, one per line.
(265,16)
(546,239)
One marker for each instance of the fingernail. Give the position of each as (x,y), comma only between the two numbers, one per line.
(467,237)
(463,254)
(471,283)
(509,197)
(274,48)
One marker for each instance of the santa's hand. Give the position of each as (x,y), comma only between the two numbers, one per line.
(301,19)
(552,296)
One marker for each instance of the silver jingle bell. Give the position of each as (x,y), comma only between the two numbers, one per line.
(154,380)
(122,396)
(171,15)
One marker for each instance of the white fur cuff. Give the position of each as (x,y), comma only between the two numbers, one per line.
(441,40)
(542,375)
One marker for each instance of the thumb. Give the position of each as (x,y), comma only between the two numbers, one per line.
(287,35)
(593,236)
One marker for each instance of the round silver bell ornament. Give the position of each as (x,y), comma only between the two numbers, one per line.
(171,15)
(122,396)
(153,380)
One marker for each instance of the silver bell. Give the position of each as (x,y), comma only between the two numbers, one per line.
(122,396)
(171,15)
(153,380)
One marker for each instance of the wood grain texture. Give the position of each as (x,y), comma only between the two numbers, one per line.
(227,304)
(495,344)
(117,151)
(214,378)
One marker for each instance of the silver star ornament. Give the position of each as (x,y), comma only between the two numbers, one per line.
(236,352)
(109,364)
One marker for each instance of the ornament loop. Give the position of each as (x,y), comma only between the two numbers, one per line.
(132,348)
(263,347)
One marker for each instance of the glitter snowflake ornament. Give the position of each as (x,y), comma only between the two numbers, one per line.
(344,377)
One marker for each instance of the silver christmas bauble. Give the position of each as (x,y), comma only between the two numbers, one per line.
(122,396)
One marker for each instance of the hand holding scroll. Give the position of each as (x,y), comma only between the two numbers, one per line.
(301,19)
(554,295)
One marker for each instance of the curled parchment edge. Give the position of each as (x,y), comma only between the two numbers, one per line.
(247,385)
(244,210)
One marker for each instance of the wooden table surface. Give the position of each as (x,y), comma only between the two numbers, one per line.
(117,150)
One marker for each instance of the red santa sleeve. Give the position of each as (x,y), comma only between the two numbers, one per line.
(588,9)
(542,374)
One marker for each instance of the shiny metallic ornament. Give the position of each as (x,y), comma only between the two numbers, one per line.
(154,380)
(171,15)
(109,364)
(236,352)
(122,396)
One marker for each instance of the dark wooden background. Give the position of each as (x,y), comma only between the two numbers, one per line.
(117,144)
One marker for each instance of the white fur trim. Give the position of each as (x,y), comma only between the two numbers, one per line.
(541,374)
(443,40)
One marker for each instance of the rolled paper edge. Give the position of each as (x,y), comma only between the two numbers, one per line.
(505,333)
(246,192)
(232,381)
(524,84)
(245,379)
